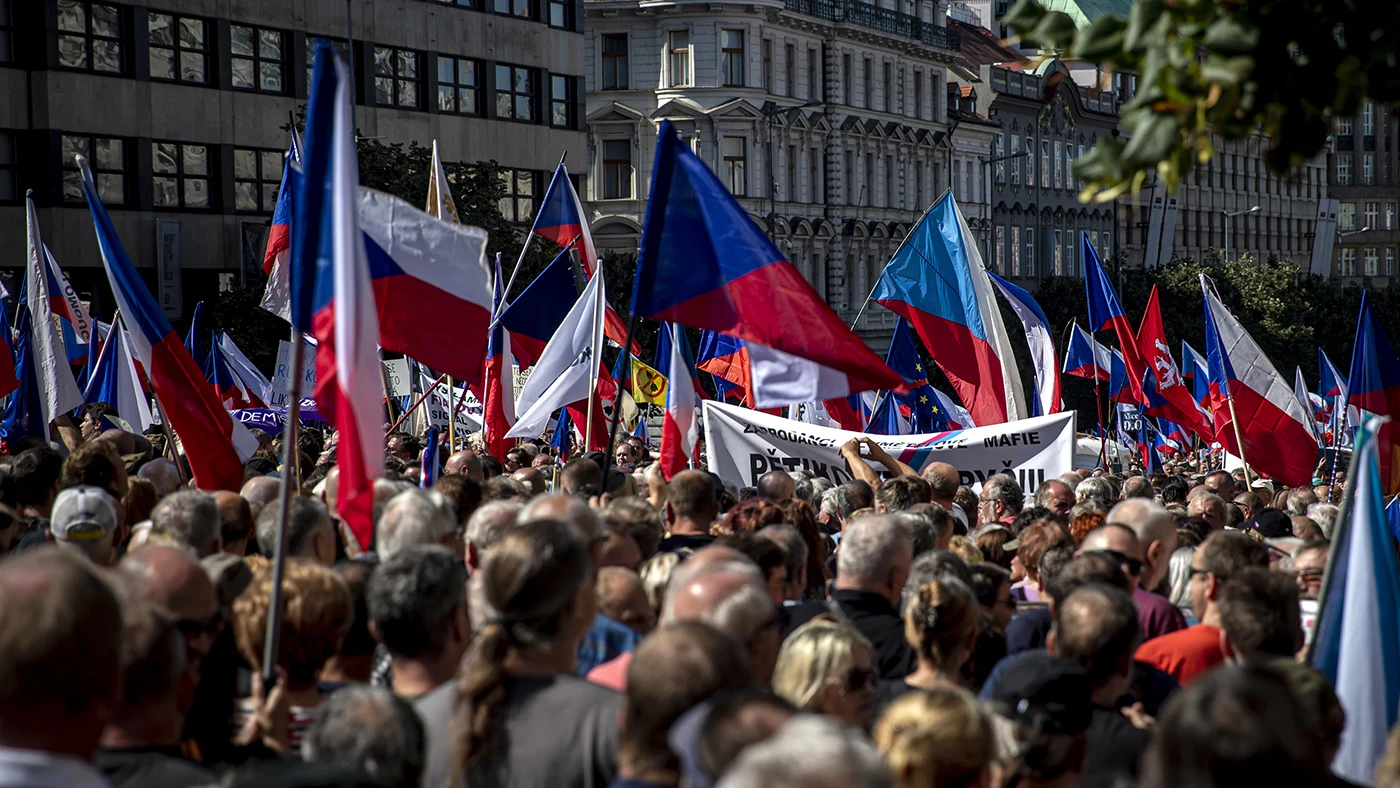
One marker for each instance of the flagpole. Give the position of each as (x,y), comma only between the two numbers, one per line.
(1098,406)
(1239,441)
(409,411)
(617,397)
(284,507)
(896,252)
(119,324)
(451,418)
(530,236)
(497,312)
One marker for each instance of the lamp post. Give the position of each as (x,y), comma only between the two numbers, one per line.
(1230,225)
(771,110)
(991,226)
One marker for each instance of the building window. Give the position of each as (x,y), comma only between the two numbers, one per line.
(1390,216)
(999,249)
(887,85)
(561,14)
(850,179)
(521,8)
(1343,169)
(561,101)
(178,51)
(813,89)
(1015,251)
(735,174)
(680,58)
(767,65)
(395,77)
(181,175)
(1343,127)
(89,36)
(1390,261)
(615,70)
(1372,261)
(107,158)
(1368,168)
(1029,240)
(731,58)
(1059,154)
(462,3)
(918,94)
(813,174)
(889,181)
(9,190)
(1347,265)
(918,195)
(515,93)
(617,169)
(791,194)
(518,202)
(846,80)
(6,33)
(1346,216)
(869,183)
(1373,213)
(1030,165)
(1368,119)
(1058,257)
(790,71)
(458,81)
(257,175)
(867,74)
(258,59)
(1016,162)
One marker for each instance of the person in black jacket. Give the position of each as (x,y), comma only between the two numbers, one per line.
(872,564)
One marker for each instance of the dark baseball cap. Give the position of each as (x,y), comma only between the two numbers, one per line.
(1271,523)
(1051,693)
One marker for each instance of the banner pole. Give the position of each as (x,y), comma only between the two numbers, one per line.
(409,411)
(601,308)
(617,397)
(451,419)
(290,454)
(530,236)
(1239,441)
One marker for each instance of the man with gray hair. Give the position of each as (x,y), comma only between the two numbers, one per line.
(1055,495)
(721,587)
(810,751)
(568,509)
(1000,501)
(415,517)
(1138,487)
(872,565)
(371,729)
(310,532)
(1095,488)
(1209,507)
(192,516)
(486,525)
(417,603)
(1325,515)
(803,486)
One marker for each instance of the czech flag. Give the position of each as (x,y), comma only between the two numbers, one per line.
(232,391)
(1086,358)
(214,442)
(704,263)
(560,219)
(428,460)
(539,310)
(114,380)
(937,282)
(9,381)
(330,257)
(1333,387)
(58,391)
(251,380)
(1195,369)
(1374,386)
(499,407)
(1041,344)
(194,338)
(680,428)
(727,359)
(1119,389)
(73,317)
(279,238)
(1272,423)
(1105,312)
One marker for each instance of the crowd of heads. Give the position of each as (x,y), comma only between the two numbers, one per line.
(527,621)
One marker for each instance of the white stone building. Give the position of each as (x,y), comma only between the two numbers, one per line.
(827,118)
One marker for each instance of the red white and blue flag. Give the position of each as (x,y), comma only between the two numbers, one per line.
(703,263)
(680,428)
(499,406)
(1086,358)
(214,442)
(279,237)
(58,391)
(1041,343)
(1106,312)
(937,282)
(1374,386)
(114,380)
(332,263)
(1273,425)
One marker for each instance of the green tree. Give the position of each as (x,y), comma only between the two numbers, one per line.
(1205,67)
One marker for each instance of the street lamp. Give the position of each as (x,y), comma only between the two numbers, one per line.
(991,227)
(1350,233)
(1230,226)
(770,110)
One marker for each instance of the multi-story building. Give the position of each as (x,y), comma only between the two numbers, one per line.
(1363,176)
(826,118)
(182,109)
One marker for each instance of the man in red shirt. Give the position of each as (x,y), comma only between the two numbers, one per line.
(1189,652)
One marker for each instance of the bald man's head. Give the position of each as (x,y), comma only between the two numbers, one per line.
(125,441)
(776,486)
(169,578)
(260,491)
(1155,528)
(161,472)
(943,479)
(531,478)
(567,509)
(466,463)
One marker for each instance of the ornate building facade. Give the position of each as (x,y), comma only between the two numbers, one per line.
(828,119)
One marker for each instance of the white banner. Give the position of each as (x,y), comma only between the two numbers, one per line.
(283,371)
(437,405)
(397,371)
(742,445)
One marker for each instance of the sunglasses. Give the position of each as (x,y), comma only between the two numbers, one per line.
(193,627)
(1134,565)
(858,679)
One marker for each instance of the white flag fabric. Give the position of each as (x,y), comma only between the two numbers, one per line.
(58,390)
(131,397)
(247,373)
(567,365)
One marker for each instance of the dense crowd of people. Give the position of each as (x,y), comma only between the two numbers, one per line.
(523,622)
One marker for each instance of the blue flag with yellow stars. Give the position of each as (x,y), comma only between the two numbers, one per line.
(918,401)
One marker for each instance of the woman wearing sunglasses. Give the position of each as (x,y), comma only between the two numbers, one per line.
(825,667)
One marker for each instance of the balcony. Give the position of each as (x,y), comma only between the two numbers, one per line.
(876,18)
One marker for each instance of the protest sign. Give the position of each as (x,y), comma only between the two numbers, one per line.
(437,405)
(283,371)
(396,369)
(742,445)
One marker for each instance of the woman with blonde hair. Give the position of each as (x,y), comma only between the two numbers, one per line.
(939,738)
(825,667)
(940,624)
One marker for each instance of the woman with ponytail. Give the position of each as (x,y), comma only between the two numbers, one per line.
(520,716)
(940,623)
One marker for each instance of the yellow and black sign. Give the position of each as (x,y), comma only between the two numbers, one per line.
(648,385)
